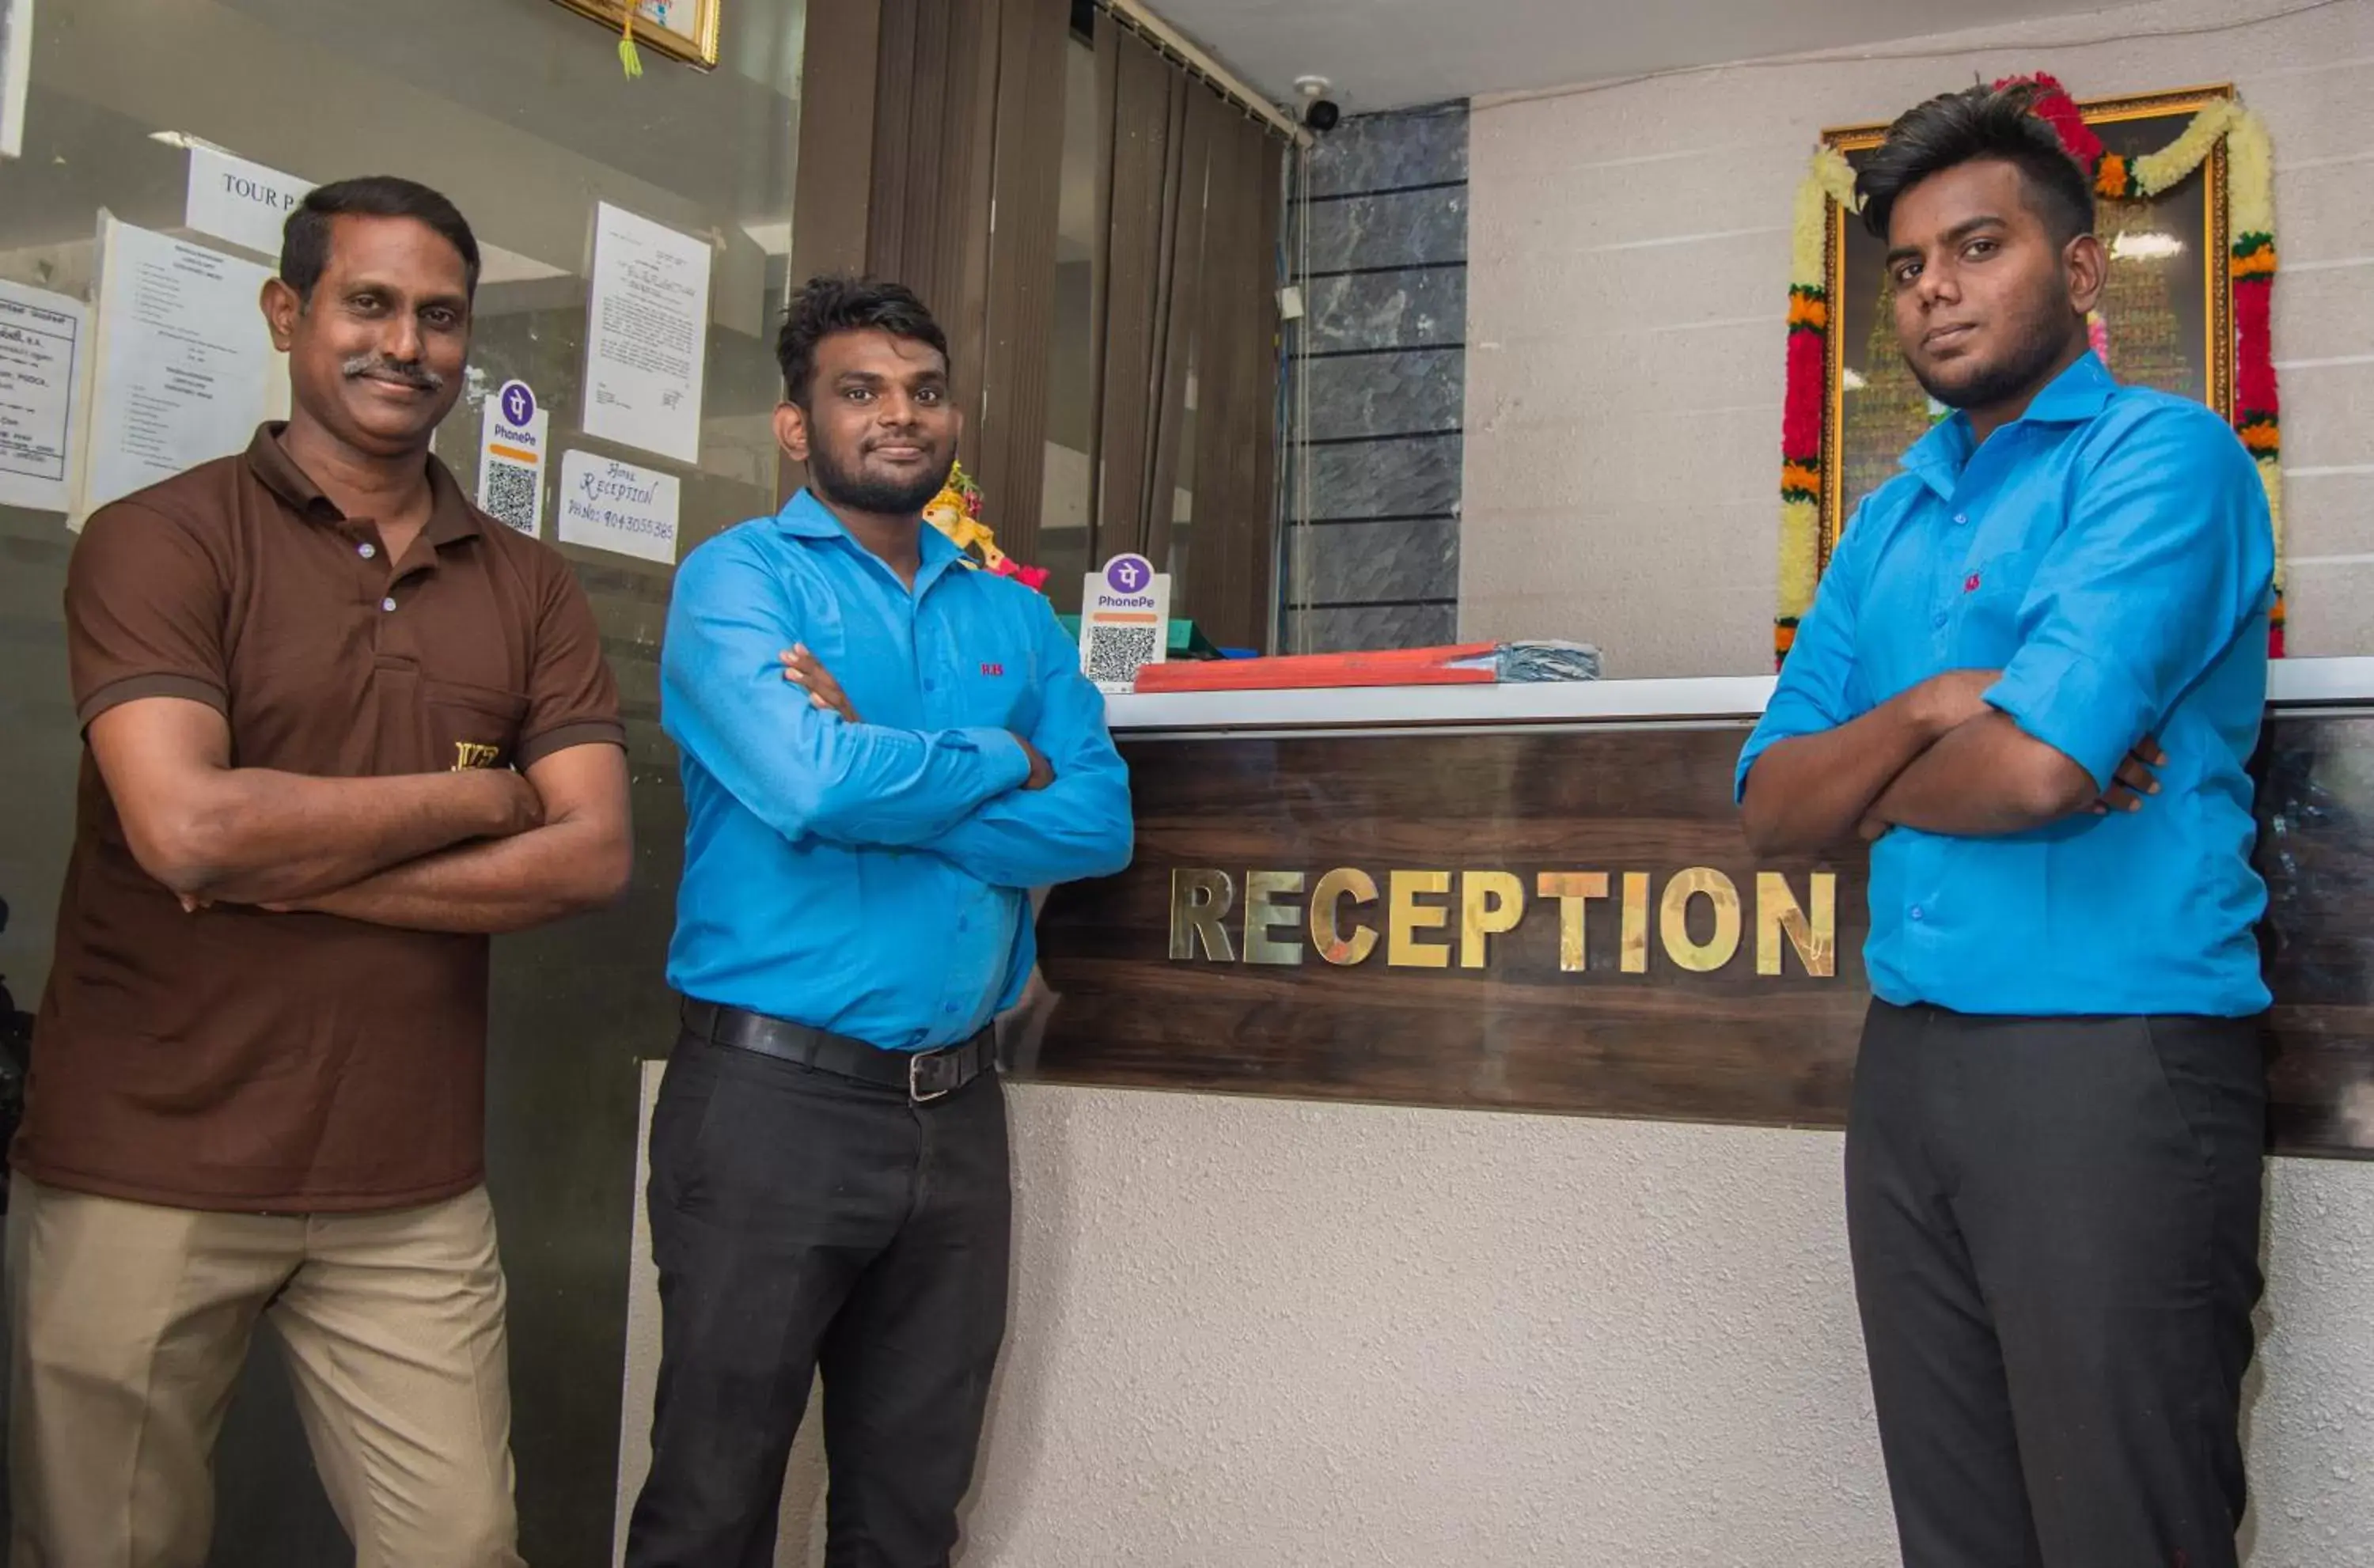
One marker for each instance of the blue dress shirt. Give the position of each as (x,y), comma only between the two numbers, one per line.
(2110,552)
(874,879)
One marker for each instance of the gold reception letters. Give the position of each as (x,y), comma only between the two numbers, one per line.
(1698,917)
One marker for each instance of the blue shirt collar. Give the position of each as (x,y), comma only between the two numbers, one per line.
(805,517)
(2076,395)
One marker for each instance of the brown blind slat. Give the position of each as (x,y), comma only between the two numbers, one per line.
(1020,313)
(1267,167)
(969,145)
(1108,44)
(1178,321)
(896,158)
(1141,128)
(1229,568)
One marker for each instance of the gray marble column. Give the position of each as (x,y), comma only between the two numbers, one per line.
(1376,565)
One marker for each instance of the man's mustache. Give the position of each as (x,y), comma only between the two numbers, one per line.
(411,372)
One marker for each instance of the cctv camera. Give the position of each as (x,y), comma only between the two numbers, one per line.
(1319,111)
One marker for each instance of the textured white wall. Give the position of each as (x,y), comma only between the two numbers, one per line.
(1259,1334)
(1627,255)
(1256,1334)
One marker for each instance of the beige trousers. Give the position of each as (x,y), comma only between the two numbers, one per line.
(129,1323)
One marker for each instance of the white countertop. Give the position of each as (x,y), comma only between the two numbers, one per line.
(2291,683)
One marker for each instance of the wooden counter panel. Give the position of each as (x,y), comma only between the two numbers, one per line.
(1520,1033)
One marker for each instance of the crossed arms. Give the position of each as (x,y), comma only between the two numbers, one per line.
(482,850)
(1935,757)
(1017,810)
(2165,561)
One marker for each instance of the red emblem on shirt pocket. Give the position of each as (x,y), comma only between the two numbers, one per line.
(1971,583)
(993,669)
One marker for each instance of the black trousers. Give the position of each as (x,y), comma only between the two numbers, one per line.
(805,1223)
(2055,1232)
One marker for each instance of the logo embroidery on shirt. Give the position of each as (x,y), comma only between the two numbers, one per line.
(468,755)
(993,669)
(1971,583)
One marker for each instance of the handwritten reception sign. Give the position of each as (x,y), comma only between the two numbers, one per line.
(609,505)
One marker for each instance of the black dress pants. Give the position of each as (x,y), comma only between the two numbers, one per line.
(805,1223)
(2055,1230)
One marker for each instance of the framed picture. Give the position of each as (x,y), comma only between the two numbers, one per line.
(682,29)
(2166,318)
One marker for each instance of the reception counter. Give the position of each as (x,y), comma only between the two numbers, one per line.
(1537,897)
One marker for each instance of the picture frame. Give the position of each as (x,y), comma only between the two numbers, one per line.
(2167,317)
(681,30)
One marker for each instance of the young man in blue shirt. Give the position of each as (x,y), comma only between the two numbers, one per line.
(884,753)
(2033,675)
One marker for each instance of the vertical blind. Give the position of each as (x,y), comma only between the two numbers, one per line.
(963,185)
(1183,321)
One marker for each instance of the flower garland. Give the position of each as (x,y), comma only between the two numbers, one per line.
(955,511)
(2251,274)
(1831,179)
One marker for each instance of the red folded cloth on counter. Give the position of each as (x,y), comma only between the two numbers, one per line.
(1465,663)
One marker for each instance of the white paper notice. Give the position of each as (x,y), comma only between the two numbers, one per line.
(16,73)
(41,337)
(241,202)
(185,365)
(646,333)
(609,505)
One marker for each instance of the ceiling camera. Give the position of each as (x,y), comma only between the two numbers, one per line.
(1320,113)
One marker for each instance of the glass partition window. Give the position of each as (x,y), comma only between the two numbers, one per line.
(519,111)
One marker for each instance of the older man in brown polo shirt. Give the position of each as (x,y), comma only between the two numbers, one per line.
(340,726)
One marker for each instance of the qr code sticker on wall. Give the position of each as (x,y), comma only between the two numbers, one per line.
(1115,652)
(510,495)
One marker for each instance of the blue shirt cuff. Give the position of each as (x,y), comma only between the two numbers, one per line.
(2090,712)
(1758,744)
(1009,764)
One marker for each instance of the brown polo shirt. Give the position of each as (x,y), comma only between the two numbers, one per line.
(235,1058)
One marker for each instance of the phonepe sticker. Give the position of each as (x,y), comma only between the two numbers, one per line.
(511,449)
(1124,621)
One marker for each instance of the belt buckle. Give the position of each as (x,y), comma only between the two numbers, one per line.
(916,1094)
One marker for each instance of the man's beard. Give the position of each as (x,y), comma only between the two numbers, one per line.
(2044,337)
(883,498)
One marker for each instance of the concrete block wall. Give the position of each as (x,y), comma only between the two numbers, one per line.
(1376,563)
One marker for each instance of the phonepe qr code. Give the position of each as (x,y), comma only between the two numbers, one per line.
(510,496)
(1115,652)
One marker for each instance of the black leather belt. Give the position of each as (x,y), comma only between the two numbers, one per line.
(924,1075)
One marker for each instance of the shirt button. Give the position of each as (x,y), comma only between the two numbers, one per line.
(1916,913)
(927,685)
(387,604)
(367,550)
(1961,517)
(947,1007)
(1938,621)
(964,923)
